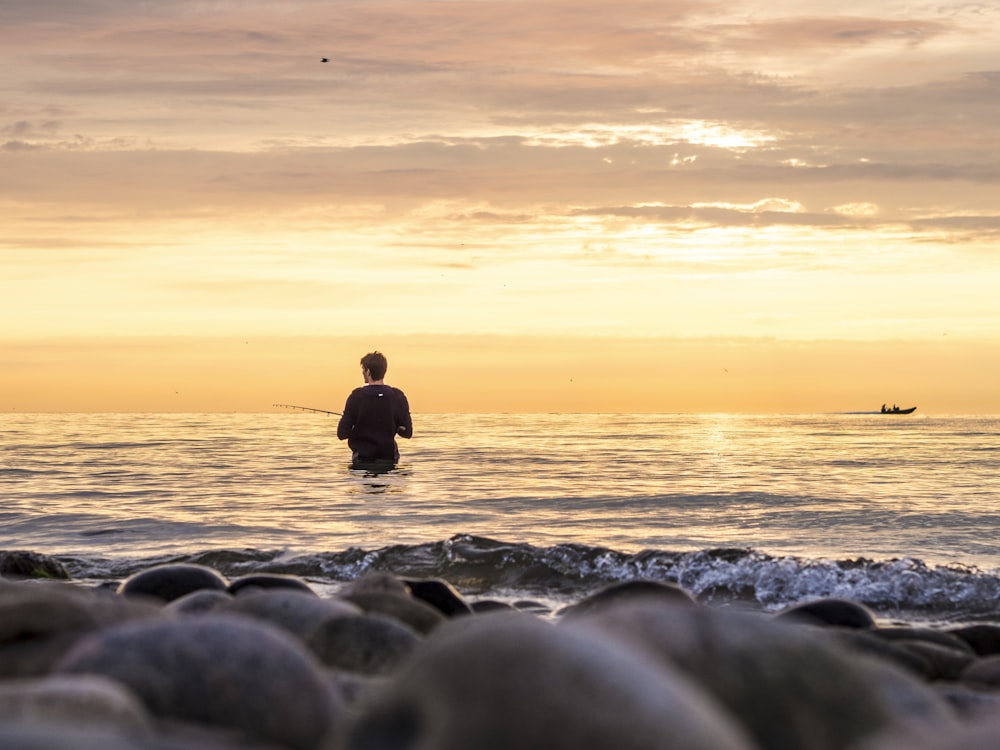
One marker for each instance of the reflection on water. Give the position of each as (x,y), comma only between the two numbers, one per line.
(837,485)
(378,481)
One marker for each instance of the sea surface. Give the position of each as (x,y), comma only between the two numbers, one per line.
(901,513)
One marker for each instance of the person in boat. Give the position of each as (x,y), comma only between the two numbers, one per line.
(374,415)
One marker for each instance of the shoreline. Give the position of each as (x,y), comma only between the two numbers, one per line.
(333,670)
(739,578)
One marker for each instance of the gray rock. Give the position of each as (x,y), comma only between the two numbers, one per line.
(200,602)
(218,670)
(984,638)
(24,564)
(628,591)
(483,606)
(381,582)
(298,612)
(172,581)
(929,635)
(967,700)
(866,642)
(352,687)
(269,581)
(367,644)
(439,594)
(510,680)
(983,734)
(943,663)
(419,615)
(839,612)
(787,684)
(40,621)
(984,671)
(76,700)
(29,736)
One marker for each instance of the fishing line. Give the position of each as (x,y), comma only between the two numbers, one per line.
(308,408)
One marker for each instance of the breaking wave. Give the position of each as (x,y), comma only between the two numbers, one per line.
(487,568)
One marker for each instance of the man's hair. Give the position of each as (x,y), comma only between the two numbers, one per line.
(376,364)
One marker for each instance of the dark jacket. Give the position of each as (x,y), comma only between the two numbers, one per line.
(373,416)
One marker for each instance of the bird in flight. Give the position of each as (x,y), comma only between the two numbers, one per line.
(325,59)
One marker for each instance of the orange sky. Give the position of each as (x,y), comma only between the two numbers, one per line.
(529,206)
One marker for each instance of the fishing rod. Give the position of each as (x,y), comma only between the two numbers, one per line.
(307,408)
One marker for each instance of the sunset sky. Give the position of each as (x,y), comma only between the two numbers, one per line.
(650,206)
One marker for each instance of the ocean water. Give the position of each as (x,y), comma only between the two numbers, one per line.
(899,512)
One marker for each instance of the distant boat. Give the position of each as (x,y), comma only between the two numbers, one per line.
(897,410)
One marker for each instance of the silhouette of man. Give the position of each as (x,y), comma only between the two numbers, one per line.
(374,415)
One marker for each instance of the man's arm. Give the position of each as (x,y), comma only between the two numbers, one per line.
(346,424)
(404,423)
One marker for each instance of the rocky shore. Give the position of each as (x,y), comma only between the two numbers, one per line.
(178,657)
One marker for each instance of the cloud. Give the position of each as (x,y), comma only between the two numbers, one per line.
(507,151)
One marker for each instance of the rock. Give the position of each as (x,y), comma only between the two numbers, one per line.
(218,670)
(968,701)
(172,581)
(929,635)
(296,611)
(984,638)
(40,621)
(27,736)
(866,642)
(490,605)
(353,687)
(419,615)
(984,671)
(366,644)
(439,594)
(269,581)
(840,612)
(74,700)
(965,735)
(200,602)
(789,686)
(511,680)
(628,591)
(535,608)
(381,582)
(24,564)
(943,663)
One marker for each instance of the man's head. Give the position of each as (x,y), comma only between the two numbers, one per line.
(376,364)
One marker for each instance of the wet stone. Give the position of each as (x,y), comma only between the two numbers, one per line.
(942,662)
(929,635)
(172,581)
(837,612)
(75,700)
(984,671)
(218,670)
(983,638)
(439,594)
(200,602)
(366,644)
(418,615)
(787,684)
(247,583)
(628,591)
(512,680)
(39,622)
(24,564)
(295,611)
(482,606)
(375,582)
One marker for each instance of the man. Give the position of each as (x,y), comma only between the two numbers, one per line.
(374,415)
